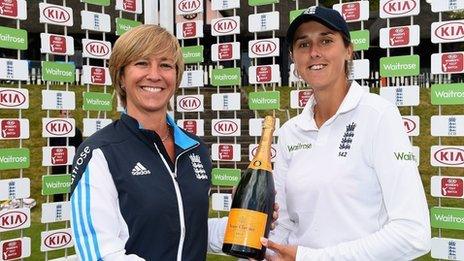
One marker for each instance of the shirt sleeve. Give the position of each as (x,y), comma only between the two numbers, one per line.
(283,224)
(406,235)
(95,216)
(216,231)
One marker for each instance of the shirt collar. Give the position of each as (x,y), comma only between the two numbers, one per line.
(181,139)
(306,119)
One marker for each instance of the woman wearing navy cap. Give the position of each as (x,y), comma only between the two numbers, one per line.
(349,193)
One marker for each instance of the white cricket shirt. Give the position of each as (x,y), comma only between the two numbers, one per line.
(350,190)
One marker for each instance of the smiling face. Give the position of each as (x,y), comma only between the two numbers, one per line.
(320,54)
(149,83)
(142,57)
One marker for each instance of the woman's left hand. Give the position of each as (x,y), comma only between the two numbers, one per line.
(281,252)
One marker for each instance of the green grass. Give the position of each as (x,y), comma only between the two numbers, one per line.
(425,110)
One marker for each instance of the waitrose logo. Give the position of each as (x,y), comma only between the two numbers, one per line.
(450,94)
(408,156)
(13,38)
(14,158)
(447,94)
(96,101)
(193,54)
(226,77)
(451,218)
(124,25)
(405,65)
(299,146)
(264,100)
(58,71)
(225,177)
(56,184)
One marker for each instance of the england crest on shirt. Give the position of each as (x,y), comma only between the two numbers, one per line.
(198,168)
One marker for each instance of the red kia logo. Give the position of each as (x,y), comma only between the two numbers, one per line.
(56,14)
(226,127)
(59,127)
(188,6)
(255,149)
(11,98)
(225,25)
(399,7)
(409,125)
(57,239)
(97,48)
(450,31)
(263,47)
(12,219)
(450,156)
(189,103)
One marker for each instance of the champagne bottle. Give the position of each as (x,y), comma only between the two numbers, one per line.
(250,216)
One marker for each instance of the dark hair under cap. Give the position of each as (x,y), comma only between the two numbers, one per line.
(326,16)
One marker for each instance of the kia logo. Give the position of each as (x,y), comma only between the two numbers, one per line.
(59,127)
(58,239)
(450,31)
(12,219)
(450,156)
(56,14)
(254,150)
(188,5)
(263,47)
(97,48)
(226,127)
(11,98)
(399,7)
(225,25)
(189,103)
(409,124)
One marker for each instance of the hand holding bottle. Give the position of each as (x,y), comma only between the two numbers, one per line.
(281,252)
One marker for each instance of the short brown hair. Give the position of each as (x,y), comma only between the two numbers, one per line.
(140,42)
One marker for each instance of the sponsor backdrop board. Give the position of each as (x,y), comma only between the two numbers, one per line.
(225,51)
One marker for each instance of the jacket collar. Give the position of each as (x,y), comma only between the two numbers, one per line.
(181,139)
(306,121)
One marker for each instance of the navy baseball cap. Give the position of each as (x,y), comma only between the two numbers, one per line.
(326,16)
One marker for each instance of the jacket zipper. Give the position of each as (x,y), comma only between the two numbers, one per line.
(180,205)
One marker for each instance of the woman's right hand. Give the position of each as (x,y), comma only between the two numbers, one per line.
(281,252)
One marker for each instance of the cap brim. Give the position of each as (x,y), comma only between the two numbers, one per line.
(303,19)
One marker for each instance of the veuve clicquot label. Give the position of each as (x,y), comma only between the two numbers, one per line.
(245,227)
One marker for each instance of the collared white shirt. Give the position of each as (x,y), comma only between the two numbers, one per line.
(347,190)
